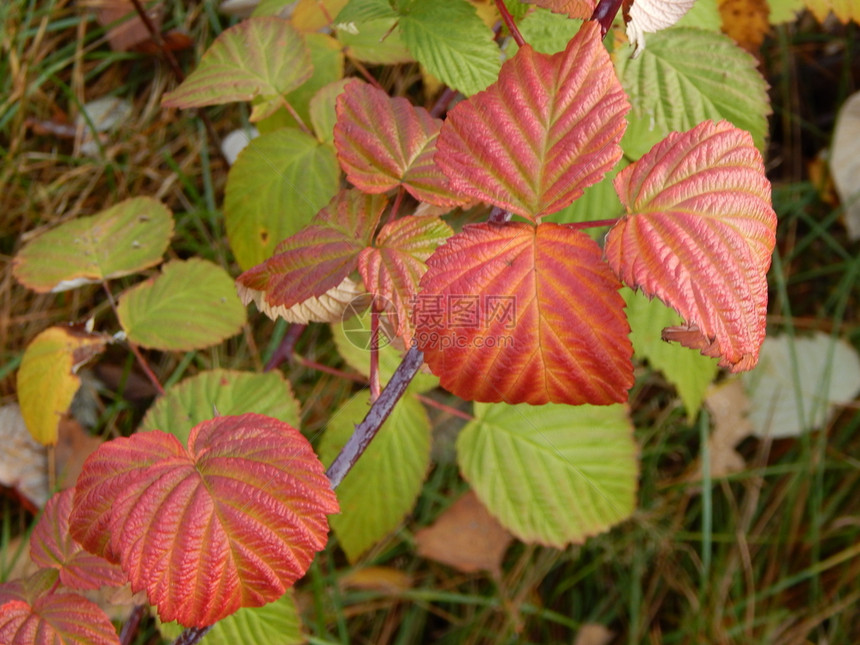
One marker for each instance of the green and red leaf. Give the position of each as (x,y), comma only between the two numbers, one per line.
(233,521)
(32,614)
(319,257)
(524,314)
(383,142)
(51,545)
(396,263)
(699,236)
(548,128)
(239,66)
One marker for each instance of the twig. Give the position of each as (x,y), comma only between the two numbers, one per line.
(376,416)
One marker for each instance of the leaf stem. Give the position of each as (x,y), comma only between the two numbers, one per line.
(376,416)
(454,412)
(595,223)
(604,14)
(374,352)
(133,346)
(510,24)
(286,348)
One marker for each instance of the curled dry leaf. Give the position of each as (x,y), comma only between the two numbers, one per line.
(649,16)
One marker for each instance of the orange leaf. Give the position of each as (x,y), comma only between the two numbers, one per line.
(699,236)
(524,314)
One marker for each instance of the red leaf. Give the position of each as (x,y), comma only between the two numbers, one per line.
(699,236)
(52,546)
(547,129)
(524,314)
(393,268)
(31,614)
(321,255)
(383,142)
(231,522)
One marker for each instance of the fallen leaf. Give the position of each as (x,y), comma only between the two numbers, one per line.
(23,461)
(74,445)
(728,405)
(125,29)
(845,162)
(465,537)
(746,22)
(593,634)
(827,373)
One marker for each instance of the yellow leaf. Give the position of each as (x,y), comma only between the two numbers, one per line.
(844,10)
(746,22)
(47,379)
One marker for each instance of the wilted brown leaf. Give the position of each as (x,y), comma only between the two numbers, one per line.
(466,537)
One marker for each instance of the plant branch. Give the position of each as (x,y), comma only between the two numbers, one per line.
(510,24)
(192,635)
(604,14)
(129,629)
(376,416)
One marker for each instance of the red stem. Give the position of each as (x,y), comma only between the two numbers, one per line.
(510,24)
(306,362)
(374,352)
(454,412)
(286,348)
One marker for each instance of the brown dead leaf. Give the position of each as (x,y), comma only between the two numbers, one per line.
(746,22)
(125,28)
(466,537)
(593,634)
(23,461)
(728,405)
(74,445)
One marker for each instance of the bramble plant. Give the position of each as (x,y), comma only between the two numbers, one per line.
(218,504)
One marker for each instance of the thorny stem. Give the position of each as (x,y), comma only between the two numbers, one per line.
(176,69)
(510,24)
(376,416)
(604,14)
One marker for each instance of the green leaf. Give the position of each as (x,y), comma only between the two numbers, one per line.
(276,186)
(689,371)
(277,623)
(382,487)
(553,474)
(222,393)
(377,42)
(704,14)
(682,78)
(191,305)
(239,66)
(327,61)
(361,11)
(322,110)
(598,201)
(121,240)
(352,336)
(449,39)
(547,32)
